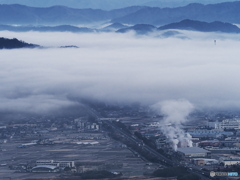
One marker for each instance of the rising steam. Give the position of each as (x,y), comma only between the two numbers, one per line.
(175,112)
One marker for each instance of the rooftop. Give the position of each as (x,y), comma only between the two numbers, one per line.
(229,160)
(192,150)
(45,166)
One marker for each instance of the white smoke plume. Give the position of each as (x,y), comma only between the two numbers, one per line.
(175,112)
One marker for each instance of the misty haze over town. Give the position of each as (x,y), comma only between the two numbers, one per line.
(132,90)
(119,68)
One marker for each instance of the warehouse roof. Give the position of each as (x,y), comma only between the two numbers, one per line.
(45,166)
(192,150)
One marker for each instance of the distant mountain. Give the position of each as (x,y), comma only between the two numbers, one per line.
(107,4)
(14,43)
(62,28)
(139,29)
(225,12)
(58,15)
(178,3)
(202,26)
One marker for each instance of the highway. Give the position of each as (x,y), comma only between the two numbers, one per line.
(159,158)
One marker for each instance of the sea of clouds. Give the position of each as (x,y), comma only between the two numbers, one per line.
(119,68)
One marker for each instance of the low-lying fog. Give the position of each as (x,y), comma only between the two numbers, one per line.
(119,68)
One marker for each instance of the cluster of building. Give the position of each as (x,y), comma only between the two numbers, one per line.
(83,124)
(215,144)
(218,144)
(225,124)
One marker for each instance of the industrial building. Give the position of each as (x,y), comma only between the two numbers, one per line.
(192,152)
(211,143)
(204,161)
(231,162)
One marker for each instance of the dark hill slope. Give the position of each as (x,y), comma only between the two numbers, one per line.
(14,43)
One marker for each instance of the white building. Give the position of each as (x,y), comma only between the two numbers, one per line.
(83,124)
(225,124)
(60,164)
(87,142)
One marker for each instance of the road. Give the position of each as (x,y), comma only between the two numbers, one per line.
(160,158)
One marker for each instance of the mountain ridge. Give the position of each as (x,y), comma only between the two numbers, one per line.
(57,15)
(60,28)
(186,24)
(215,26)
(107,4)
(225,12)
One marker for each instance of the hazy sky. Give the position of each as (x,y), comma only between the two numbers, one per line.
(121,68)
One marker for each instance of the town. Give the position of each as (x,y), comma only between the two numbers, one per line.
(127,142)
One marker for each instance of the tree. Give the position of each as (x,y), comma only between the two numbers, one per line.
(97,175)
(180,172)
